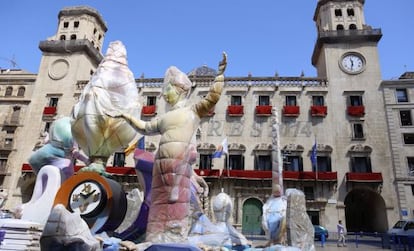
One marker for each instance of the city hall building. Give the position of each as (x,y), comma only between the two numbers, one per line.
(362,126)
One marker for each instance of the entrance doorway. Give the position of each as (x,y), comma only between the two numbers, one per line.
(252,217)
(365,211)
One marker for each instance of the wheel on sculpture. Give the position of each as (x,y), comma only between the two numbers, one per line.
(100,201)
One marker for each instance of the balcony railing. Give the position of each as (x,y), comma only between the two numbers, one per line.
(319,111)
(356,111)
(247,174)
(26,168)
(263,110)
(49,111)
(325,176)
(208,172)
(364,177)
(235,110)
(149,110)
(291,110)
(5,145)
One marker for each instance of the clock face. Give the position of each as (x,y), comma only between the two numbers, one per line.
(86,198)
(352,63)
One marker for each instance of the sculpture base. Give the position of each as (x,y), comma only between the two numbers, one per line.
(172,247)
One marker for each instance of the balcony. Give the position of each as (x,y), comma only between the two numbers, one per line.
(364,177)
(127,171)
(149,110)
(303,176)
(6,145)
(356,111)
(212,173)
(264,110)
(319,111)
(235,110)
(49,111)
(291,111)
(246,174)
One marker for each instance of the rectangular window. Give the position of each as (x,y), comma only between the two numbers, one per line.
(318,101)
(3,164)
(361,165)
(412,192)
(358,131)
(323,164)
(408,138)
(263,163)
(236,162)
(405,118)
(53,102)
(236,100)
(293,163)
(401,95)
(65,24)
(151,100)
(309,194)
(291,100)
(76,24)
(119,159)
(355,100)
(410,162)
(205,161)
(314,216)
(47,126)
(264,100)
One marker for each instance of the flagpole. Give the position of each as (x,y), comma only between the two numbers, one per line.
(316,158)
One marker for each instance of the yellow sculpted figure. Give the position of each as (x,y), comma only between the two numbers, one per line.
(168,219)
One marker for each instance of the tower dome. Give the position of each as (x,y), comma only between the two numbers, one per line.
(202,71)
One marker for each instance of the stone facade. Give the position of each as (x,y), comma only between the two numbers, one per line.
(398,98)
(339,111)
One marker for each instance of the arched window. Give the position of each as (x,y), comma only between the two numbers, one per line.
(9,91)
(62,37)
(352,27)
(339,27)
(338,13)
(21,91)
(73,37)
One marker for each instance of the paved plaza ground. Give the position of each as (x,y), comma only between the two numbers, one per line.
(353,244)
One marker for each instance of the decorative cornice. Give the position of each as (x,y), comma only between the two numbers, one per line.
(71,46)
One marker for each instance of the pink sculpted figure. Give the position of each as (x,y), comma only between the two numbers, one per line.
(168,220)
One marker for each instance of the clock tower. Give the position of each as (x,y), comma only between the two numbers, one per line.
(346,55)
(69,58)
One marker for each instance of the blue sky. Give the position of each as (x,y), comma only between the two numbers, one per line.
(260,37)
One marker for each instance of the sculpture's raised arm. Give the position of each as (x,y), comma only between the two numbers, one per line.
(205,105)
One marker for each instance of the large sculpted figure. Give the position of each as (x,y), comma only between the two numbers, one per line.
(111,88)
(168,220)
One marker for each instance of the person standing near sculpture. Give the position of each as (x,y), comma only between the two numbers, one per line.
(341,234)
(168,220)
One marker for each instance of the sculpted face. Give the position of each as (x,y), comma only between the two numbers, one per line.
(170,94)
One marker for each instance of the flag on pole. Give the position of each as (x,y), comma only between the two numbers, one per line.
(222,148)
(313,156)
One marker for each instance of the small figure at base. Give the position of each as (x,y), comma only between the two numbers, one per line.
(341,234)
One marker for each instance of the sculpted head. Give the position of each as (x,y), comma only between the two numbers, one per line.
(176,86)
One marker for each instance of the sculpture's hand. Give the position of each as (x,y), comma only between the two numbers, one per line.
(222,65)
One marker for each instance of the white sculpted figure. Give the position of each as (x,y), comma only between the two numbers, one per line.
(168,219)
(111,88)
